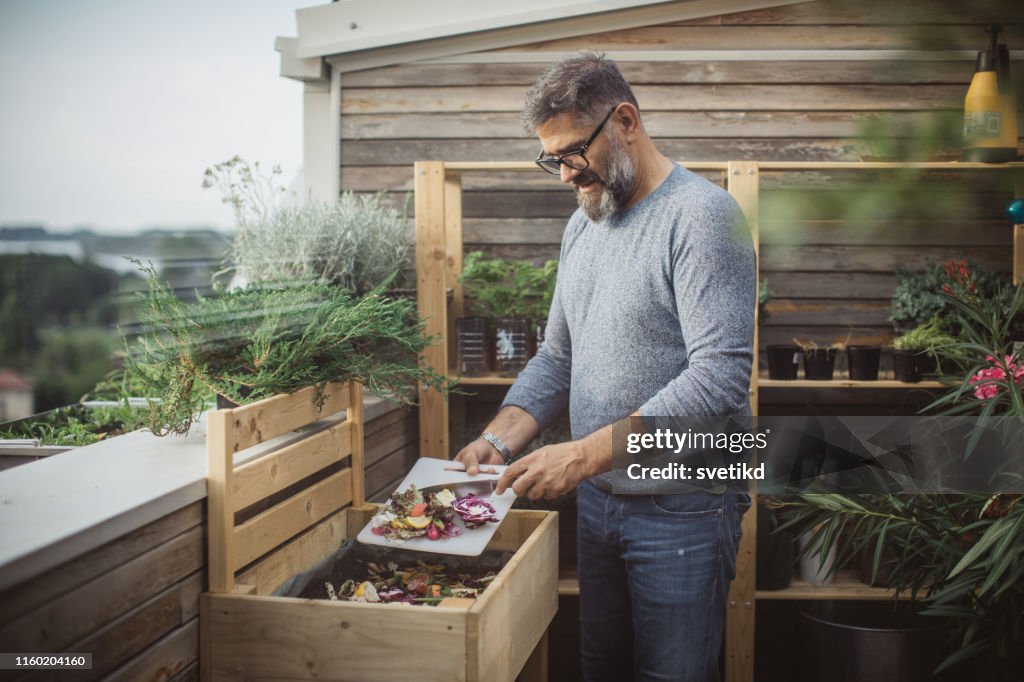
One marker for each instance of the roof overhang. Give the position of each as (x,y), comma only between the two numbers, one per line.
(362,34)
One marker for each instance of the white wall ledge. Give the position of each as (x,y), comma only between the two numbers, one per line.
(61,507)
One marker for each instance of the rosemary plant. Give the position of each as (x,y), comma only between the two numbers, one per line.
(253,343)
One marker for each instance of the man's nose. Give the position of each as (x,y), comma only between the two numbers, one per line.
(568,173)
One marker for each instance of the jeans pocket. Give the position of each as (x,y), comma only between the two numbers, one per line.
(687,505)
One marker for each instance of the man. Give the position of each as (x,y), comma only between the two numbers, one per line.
(652,317)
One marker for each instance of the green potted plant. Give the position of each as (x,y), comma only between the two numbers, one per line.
(501,291)
(248,344)
(914,353)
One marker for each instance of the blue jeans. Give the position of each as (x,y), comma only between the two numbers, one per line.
(654,575)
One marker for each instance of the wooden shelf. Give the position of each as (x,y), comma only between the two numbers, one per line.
(845,586)
(489,379)
(847,383)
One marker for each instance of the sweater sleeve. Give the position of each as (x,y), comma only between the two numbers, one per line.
(715,281)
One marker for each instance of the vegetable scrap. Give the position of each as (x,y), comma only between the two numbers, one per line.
(419,583)
(408,515)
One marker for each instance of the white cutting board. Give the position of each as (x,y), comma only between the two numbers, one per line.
(430,471)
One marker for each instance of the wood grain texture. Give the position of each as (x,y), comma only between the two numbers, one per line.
(356,444)
(276,471)
(780,37)
(298,555)
(276,525)
(406,153)
(61,580)
(512,615)
(668,98)
(267,637)
(741,614)
(269,418)
(672,73)
(86,609)
(431,278)
(171,655)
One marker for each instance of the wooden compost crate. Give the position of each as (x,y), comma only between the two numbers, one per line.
(308,497)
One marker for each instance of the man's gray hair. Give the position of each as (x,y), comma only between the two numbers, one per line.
(587,84)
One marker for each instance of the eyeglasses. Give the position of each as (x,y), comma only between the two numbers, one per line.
(574,158)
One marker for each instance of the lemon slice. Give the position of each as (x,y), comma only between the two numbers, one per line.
(418,522)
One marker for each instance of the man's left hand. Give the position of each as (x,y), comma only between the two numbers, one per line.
(548,472)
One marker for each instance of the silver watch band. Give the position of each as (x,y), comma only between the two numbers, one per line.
(499,445)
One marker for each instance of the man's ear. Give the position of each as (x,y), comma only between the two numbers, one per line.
(627,120)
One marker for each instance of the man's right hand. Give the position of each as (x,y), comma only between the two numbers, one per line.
(476,453)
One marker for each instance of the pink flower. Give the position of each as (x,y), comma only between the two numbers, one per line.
(987,378)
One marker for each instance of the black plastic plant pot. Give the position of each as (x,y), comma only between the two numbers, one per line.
(471,345)
(869,641)
(511,344)
(819,363)
(783,360)
(863,362)
(904,366)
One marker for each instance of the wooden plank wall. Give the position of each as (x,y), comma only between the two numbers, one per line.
(830,277)
(134,602)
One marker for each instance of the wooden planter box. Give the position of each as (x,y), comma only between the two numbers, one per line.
(246,634)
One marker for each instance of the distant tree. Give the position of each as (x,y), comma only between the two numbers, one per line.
(39,291)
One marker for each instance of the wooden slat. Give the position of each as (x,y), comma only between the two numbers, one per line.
(714,123)
(266,419)
(276,525)
(298,555)
(220,510)
(276,471)
(21,599)
(817,257)
(431,277)
(357,444)
(453,260)
(86,609)
(798,312)
(850,37)
(672,72)
(740,615)
(278,636)
(171,655)
(133,632)
(403,153)
(401,430)
(521,588)
(872,13)
(670,98)
(827,285)
(950,234)
(395,465)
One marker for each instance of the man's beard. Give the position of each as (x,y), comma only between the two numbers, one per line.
(617,184)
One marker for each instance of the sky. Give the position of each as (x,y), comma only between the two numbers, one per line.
(110,110)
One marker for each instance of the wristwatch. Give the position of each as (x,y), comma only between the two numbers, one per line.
(499,445)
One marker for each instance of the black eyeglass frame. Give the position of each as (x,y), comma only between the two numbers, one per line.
(579,151)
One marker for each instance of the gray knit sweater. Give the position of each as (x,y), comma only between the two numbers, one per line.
(653,311)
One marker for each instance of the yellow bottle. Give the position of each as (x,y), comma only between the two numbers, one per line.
(990,109)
